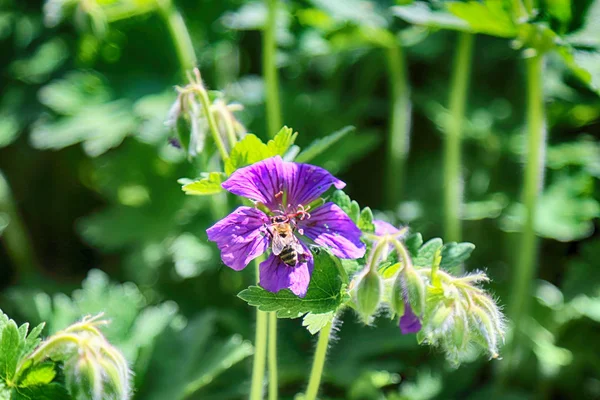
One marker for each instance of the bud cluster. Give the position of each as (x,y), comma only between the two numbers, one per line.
(196,113)
(93,368)
(452,313)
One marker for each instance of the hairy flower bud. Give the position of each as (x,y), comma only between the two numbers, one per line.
(93,368)
(368,295)
(415,289)
(397,296)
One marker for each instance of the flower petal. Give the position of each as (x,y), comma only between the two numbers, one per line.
(331,227)
(384,228)
(261,181)
(305,183)
(409,322)
(275,275)
(240,236)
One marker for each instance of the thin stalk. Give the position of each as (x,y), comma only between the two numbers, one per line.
(272,338)
(273,107)
(533,183)
(180,35)
(212,123)
(453,182)
(16,239)
(318,363)
(260,348)
(399,133)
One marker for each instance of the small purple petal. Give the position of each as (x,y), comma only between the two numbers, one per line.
(409,322)
(261,181)
(275,275)
(305,183)
(240,236)
(384,228)
(331,227)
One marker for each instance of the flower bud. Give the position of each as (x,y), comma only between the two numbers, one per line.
(368,295)
(415,290)
(397,296)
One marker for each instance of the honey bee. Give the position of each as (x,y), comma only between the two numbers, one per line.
(285,244)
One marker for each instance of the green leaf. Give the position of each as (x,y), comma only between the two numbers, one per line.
(11,347)
(217,360)
(315,322)
(365,221)
(427,253)
(413,243)
(324,291)
(319,146)
(247,151)
(490,17)
(455,254)
(585,65)
(342,200)
(282,141)
(52,391)
(419,13)
(208,185)
(40,374)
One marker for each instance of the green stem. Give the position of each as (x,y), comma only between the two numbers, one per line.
(399,125)
(318,363)
(180,35)
(17,242)
(270,71)
(212,123)
(452,150)
(260,348)
(272,356)
(533,183)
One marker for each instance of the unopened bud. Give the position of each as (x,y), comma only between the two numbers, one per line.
(368,295)
(415,290)
(397,296)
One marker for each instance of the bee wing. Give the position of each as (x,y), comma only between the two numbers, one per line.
(297,246)
(278,244)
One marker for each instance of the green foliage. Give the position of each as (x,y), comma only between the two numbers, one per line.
(315,322)
(362,218)
(208,185)
(321,145)
(325,292)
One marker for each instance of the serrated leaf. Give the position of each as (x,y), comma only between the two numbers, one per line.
(320,145)
(427,252)
(247,151)
(419,13)
(40,374)
(315,322)
(11,347)
(282,141)
(342,200)
(455,254)
(324,291)
(33,339)
(206,186)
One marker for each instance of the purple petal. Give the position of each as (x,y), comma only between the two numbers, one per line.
(305,183)
(384,228)
(331,227)
(240,236)
(409,322)
(261,181)
(275,275)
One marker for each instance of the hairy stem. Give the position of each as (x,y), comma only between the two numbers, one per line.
(318,363)
(453,182)
(16,239)
(270,70)
(399,133)
(212,123)
(533,183)
(272,356)
(260,347)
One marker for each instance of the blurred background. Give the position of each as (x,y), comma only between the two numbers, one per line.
(92,217)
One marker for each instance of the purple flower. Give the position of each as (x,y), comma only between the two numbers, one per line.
(286,189)
(409,322)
